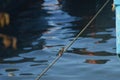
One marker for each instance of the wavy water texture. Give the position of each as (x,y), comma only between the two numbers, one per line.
(43,29)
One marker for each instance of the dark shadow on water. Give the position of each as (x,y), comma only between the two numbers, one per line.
(86,9)
(23,60)
(28,25)
(10,70)
(14,7)
(92,61)
(79,7)
(26,74)
(83,51)
(24,31)
(82,7)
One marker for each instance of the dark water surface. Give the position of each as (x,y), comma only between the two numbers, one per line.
(43,29)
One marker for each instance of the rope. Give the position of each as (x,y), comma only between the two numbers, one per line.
(60,53)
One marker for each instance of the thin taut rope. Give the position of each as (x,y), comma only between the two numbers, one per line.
(70,44)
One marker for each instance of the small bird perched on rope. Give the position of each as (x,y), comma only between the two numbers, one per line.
(60,53)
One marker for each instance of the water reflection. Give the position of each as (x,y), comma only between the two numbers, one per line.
(9,41)
(17,37)
(26,74)
(92,61)
(22,60)
(42,31)
(60,2)
(11,70)
(79,7)
(4,19)
(11,74)
(84,51)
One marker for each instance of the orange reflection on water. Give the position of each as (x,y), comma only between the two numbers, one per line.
(9,41)
(91,61)
(88,52)
(4,19)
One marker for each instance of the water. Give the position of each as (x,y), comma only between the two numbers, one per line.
(42,31)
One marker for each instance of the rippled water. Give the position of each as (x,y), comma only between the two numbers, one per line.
(43,30)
